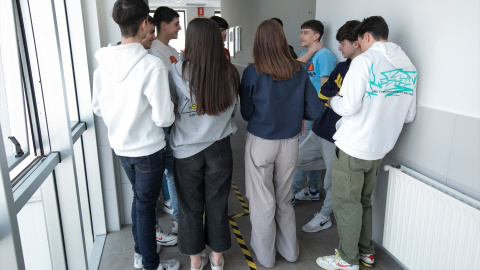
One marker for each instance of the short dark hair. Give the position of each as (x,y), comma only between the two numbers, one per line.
(277,20)
(150,19)
(164,14)
(129,14)
(376,26)
(315,25)
(347,31)
(222,23)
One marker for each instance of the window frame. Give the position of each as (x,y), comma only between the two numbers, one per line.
(55,168)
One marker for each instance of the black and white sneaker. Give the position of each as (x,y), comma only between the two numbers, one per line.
(167,207)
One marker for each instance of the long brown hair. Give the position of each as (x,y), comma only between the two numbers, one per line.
(271,53)
(211,76)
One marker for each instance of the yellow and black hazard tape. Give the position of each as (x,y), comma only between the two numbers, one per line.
(236,230)
(240,198)
(242,244)
(238,215)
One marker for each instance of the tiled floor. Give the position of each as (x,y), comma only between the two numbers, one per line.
(118,250)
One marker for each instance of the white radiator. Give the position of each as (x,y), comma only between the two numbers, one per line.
(429,225)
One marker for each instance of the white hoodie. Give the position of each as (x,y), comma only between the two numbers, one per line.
(377,97)
(131,93)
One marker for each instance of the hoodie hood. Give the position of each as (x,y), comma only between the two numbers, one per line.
(176,72)
(118,61)
(393,53)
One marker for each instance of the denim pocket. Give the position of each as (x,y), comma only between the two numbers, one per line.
(223,148)
(143,164)
(123,162)
(190,158)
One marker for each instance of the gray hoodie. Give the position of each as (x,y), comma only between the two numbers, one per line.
(192,133)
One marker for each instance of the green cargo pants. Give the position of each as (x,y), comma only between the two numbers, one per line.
(353,180)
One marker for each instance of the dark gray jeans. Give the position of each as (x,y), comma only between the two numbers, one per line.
(203,184)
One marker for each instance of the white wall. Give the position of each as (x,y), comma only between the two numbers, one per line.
(100,30)
(250,13)
(109,30)
(192,12)
(440,37)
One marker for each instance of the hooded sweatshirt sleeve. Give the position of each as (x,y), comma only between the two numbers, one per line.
(157,91)
(173,90)
(353,89)
(329,88)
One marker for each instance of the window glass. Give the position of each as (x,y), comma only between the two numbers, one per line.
(68,73)
(13,118)
(83,193)
(33,234)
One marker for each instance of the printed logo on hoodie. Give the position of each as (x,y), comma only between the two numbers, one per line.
(189,108)
(173,59)
(391,82)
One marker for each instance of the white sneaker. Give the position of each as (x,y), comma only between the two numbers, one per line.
(307,194)
(203,263)
(367,260)
(215,267)
(175,227)
(319,222)
(167,207)
(169,265)
(335,262)
(137,261)
(165,239)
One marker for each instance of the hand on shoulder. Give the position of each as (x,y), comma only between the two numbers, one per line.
(316,46)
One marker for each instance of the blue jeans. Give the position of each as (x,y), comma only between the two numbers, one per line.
(203,184)
(313,177)
(168,185)
(145,175)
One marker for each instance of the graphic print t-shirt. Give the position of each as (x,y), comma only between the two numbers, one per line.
(320,65)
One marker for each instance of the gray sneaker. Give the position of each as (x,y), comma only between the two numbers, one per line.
(172,264)
(203,262)
(319,222)
(214,266)
(175,227)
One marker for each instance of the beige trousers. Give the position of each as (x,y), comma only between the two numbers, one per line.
(269,170)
